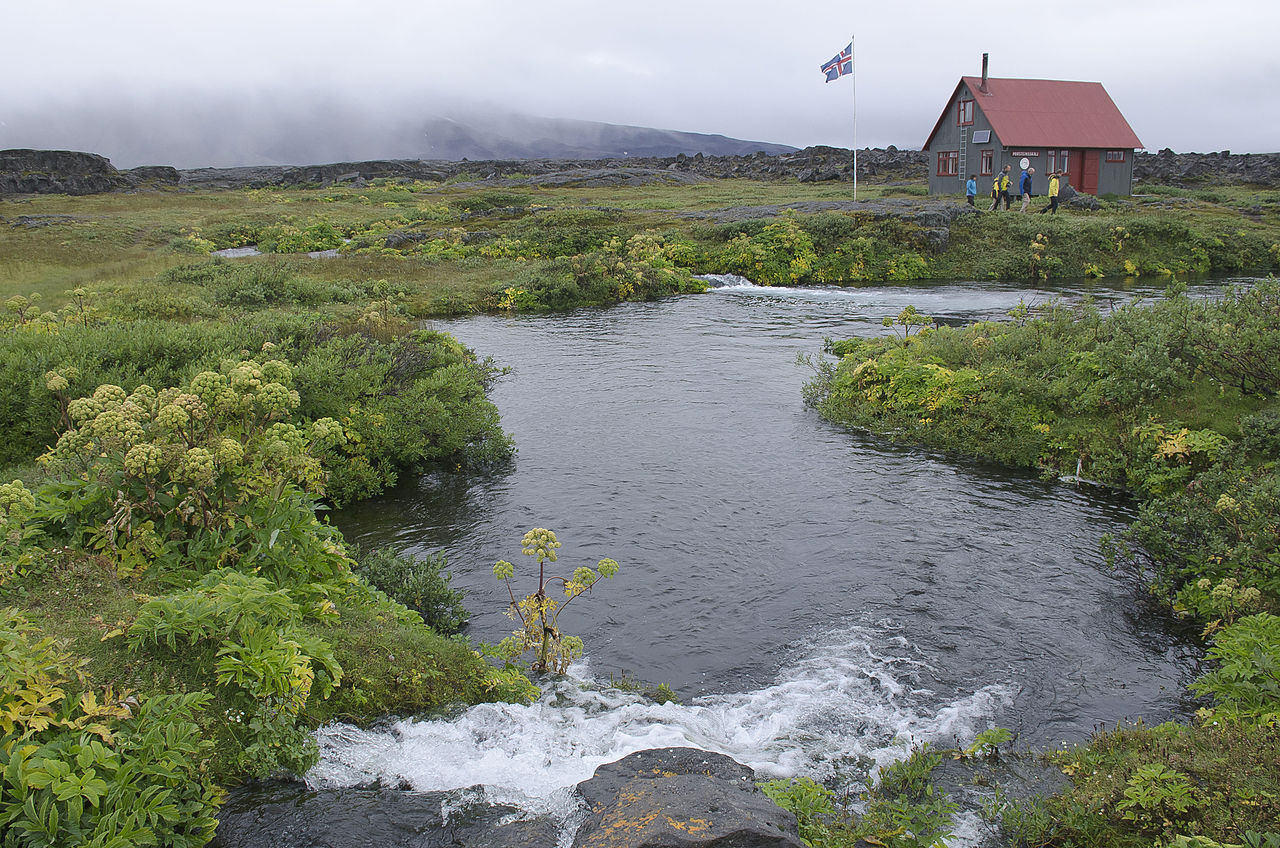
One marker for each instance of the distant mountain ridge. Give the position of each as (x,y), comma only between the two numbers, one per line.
(270,130)
(523,137)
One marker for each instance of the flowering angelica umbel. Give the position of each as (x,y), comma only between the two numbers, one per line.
(539,612)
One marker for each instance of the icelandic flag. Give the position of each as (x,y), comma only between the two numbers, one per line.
(840,64)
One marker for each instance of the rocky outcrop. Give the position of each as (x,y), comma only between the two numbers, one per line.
(681,798)
(1198,170)
(71,172)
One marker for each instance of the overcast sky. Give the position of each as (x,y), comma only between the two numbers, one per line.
(1188,74)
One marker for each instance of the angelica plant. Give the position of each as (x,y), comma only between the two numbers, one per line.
(539,612)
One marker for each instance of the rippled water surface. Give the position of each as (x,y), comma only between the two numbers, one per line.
(812,594)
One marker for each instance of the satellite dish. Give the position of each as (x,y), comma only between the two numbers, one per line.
(1024,163)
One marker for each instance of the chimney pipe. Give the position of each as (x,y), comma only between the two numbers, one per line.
(983,87)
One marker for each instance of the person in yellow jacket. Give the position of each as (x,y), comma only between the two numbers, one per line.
(1000,189)
(1053,194)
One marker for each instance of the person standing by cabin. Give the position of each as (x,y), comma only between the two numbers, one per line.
(1053,195)
(1001,189)
(995,192)
(971,190)
(1024,187)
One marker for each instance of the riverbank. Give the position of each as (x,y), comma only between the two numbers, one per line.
(1175,401)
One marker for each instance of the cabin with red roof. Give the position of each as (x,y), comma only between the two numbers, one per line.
(1056,125)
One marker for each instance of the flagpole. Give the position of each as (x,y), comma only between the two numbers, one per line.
(853,68)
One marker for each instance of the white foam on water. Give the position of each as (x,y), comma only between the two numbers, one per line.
(854,697)
(728,281)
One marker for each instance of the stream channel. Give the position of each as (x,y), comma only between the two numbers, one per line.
(817,598)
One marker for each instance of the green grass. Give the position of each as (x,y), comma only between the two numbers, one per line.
(123,244)
(1235,787)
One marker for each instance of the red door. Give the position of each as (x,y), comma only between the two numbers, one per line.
(1089,179)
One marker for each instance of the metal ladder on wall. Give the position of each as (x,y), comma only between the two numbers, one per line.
(964,153)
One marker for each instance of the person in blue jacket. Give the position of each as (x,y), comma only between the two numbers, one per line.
(1024,187)
(971,190)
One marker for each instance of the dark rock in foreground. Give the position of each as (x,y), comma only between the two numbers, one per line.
(663,798)
(286,814)
(681,798)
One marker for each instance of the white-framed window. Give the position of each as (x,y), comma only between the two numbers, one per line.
(1115,155)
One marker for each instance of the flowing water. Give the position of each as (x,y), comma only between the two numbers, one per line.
(816,597)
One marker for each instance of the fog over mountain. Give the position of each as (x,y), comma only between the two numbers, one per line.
(265,129)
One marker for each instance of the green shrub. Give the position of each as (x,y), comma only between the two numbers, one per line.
(600,278)
(263,656)
(415,400)
(568,232)
(1157,798)
(782,253)
(422,585)
(287,238)
(1245,685)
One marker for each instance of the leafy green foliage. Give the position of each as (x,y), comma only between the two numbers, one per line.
(782,253)
(904,811)
(1212,546)
(205,478)
(909,777)
(1157,798)
(289,238)
(109,770)
(1246,683)
(810,802)
(421,584)
(416,400)
(539,612)
(644,267)
(142,471)
(1074,392)
(988,742)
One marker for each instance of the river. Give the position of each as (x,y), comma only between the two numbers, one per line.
(816,597)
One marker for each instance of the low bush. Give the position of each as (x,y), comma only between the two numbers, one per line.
(421,584)
(904,811)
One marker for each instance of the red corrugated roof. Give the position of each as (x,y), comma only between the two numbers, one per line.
(1048,113)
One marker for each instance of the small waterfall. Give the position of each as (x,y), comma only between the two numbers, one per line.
(850,701)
